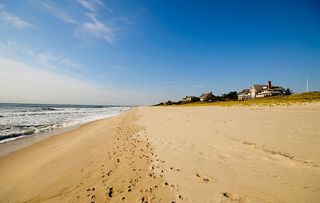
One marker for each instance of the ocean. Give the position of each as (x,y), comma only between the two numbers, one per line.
(21,120)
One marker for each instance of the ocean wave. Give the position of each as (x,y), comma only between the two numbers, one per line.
(52,111)
(19,122)
(48,109)
(18,134)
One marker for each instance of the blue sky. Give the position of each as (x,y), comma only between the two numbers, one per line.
(142,52)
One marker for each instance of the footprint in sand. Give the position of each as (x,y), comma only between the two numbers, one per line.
(203,179)
(110,193)
(229,197)
(143,200)
(175,169)
(90,194)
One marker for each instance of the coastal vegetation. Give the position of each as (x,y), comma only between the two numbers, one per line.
(230,99)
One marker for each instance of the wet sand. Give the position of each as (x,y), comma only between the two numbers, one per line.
(17,144)
(174,154)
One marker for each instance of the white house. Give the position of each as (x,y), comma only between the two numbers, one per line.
(258,91)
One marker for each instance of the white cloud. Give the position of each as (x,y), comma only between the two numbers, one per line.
(97,28)
(93,5)
(59,13)
(43,58)
(49,59)
(92,28)
(87,5)
(69,63)
(99,2)
(12,19)
(20,82)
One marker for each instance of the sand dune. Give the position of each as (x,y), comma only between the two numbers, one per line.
(174,154)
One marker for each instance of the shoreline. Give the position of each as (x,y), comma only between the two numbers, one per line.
(180,154)
(27,140)
(99,161)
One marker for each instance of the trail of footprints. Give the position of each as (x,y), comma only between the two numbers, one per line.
(203,179)
(144,181)
(132,149)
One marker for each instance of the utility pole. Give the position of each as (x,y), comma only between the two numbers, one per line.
(307,81)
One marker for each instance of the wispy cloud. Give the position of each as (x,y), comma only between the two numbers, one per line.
(59,13)
(97,28)
(92,27)
(94,5)
(69,63)
(49,59)
(9,18)
(87,4)
(20,82)
(43,58)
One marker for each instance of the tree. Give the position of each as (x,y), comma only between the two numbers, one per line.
(230,96)
(288,91)
(160,104)
(168,102)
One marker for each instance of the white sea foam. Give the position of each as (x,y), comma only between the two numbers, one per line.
(17,121)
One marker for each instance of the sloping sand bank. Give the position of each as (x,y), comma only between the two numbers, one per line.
(180,154)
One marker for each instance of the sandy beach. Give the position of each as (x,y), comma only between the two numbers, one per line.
(174,154)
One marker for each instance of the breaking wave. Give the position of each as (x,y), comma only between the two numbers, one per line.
(23,120)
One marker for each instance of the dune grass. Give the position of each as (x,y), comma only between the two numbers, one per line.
(306,97)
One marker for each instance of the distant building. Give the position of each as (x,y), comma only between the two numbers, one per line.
(258,91)
(255,89)
(207,97)
(191,99)
(244,95)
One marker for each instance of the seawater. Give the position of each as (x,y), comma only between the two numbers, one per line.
(21,120)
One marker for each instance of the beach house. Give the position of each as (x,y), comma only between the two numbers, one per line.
(258,91)
(191,99)
(207,97)
(255,89)
(244,94)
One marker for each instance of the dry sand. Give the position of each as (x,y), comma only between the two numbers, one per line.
(181,154)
